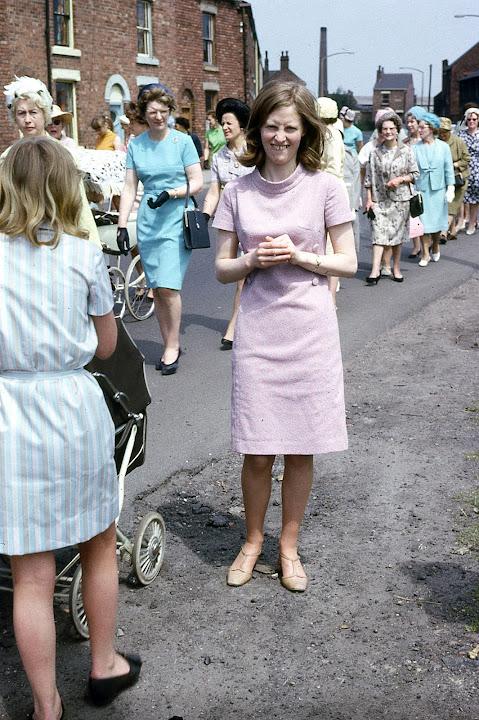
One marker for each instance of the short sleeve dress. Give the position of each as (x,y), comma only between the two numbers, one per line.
(160,165)
(58,482)
(287,392)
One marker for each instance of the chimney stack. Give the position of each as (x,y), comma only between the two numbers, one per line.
(284,62)
(323,62)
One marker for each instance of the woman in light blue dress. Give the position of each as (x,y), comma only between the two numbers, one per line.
(162,158)
(58,482)
(436,183)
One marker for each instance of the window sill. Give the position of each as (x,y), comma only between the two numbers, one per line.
(210,68)
(146,60)
(65,50)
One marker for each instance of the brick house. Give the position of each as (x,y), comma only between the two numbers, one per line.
(284,74)
(95,56)
(460,84)
(395,90)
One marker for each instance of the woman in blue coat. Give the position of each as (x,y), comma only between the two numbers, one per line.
(436,183)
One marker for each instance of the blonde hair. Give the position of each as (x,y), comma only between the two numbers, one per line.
(39,186)
(277,94)
(38,101)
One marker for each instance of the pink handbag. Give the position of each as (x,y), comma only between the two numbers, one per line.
(416,228)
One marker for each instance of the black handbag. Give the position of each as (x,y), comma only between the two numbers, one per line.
(416,205)
(459,180)
(195,225)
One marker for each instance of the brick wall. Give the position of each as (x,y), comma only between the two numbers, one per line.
(467,63)
(399,100)
(105,33)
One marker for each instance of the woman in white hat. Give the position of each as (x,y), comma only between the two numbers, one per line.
(56,128)
(30,107)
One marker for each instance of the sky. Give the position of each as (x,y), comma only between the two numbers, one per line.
(390,33)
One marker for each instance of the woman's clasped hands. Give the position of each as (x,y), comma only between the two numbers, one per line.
(274,251)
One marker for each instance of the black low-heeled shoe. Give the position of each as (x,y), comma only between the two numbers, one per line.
(398,279)
(373,280)
(413,256)
(170,368)
(103,691)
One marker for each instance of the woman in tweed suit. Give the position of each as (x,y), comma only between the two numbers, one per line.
(58,484)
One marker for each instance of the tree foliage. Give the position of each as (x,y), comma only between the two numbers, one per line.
(344,97)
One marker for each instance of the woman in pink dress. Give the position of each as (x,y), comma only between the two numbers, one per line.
(287,395)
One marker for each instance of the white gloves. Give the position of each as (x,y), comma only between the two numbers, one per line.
(450,193)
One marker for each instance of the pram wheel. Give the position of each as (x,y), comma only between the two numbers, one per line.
(149,548)
(77,611)
(136,292)
(117,280)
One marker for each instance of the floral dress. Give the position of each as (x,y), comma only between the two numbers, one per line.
(391,206)
(472,144)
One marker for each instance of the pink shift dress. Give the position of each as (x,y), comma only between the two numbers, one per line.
(287,392)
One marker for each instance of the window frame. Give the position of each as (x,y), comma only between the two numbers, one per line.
(68,22)
(73,105)
(209,38)
(146,29)
(385,98)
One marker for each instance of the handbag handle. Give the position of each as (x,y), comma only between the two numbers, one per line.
(187,196)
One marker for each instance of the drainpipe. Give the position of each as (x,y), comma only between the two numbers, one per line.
(48,45)
(245,61)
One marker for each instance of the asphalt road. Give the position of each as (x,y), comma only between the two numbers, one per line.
(189,415)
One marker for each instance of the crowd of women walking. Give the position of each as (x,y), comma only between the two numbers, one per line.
(431,162)
(284,231)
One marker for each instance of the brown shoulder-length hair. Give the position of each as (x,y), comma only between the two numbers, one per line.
(285,94)
(39,187)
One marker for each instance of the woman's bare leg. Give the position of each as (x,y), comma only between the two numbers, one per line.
(256,485)
(100,600)
(425,245)
(296,489)
(230,330)
(396,253)
(473,216)
(377,255)
(168,313)
(386,258)
(34,625)
(436,239)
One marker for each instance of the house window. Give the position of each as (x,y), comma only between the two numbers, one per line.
(66,98)
(209,50)
(211,100)
(143,28)
(385,99)
(62,22)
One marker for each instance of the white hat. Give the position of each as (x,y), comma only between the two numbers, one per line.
(24,86)
(327,108)
(57,112)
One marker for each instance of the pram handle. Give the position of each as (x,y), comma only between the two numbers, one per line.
(118,396)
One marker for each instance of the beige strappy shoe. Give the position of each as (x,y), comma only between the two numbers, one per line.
(238,576)
(293,580)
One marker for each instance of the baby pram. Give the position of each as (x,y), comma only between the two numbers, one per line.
(122,380)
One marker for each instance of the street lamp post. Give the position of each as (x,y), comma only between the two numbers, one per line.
(322,90)
(407,67)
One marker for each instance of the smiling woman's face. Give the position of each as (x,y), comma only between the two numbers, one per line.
(281,135)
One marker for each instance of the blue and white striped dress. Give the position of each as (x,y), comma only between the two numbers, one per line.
(58,482)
